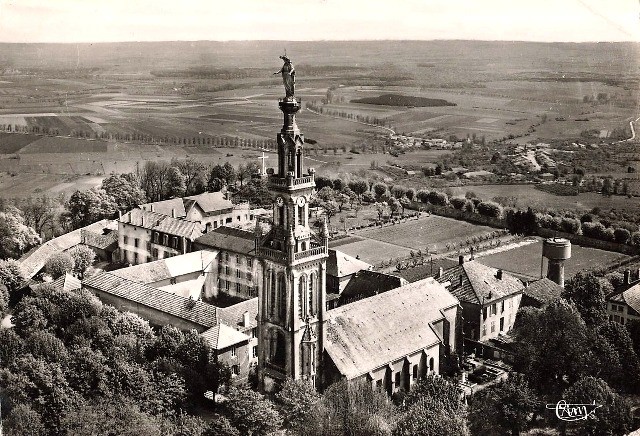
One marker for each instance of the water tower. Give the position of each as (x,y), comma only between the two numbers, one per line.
(556,250)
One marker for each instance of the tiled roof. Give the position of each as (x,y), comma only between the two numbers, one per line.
(33,261)
(167,207)
(230,239)
(101,240)
(223,336)
(162,223)
(428,269)
(373,332)
(368,283)
(631,297)
(164,269)
(209,202)
(194,311)
(340,264)
(543,291)
(233,316)
(476,283)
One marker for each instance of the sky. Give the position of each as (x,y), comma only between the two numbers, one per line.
(303,20)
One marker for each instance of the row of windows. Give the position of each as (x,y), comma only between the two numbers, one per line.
(617,308)
(239,288)
(398,375)
(226,270)
(239,259)
(493,309)
(493,327)
(617,318)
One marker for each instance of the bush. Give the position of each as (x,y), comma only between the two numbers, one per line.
(621,235)
(458,202)
(635,239)
(570,225)
(368,197)
(593,230)
(423,196)
(438,198)
(609,235)
(490,209)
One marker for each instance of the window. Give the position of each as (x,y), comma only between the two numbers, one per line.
(301,215)
(215,224)
(398,378)
(238,218)
(125,240)
(136,242)
(254,352)
(148,246)
(238,273)
(431,364)
(238,288)
(502,323)
(229,220)
(154,253)
(254,332)
(484,330)
(493,326)
(415,372)
(135,257)
(172,280)
(227,270)
(484,313)
(502,307)
(249,276)
(379,385)
(235,370)
(156,235)
(493,309)
(148,258)
(226,257)
(249,262)
(227,284)
(234,351)
(174,242)
(238,259)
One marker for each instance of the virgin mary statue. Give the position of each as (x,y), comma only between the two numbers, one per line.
(288,76)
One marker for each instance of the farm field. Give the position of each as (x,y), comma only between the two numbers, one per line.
(527,195)
(371,250)
(525,260)
(428,231)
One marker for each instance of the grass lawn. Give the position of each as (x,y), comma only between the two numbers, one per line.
(372,251)
(525,260)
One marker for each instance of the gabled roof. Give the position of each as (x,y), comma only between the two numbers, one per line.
(233,316)
(429,268)
(475,283)
(33,261)
(223,336)
(209,202)
(631,297)
(162,223)
(543,291)
(340,264)
(104,240)
(373,332)
(195,311)
(167,207)
(229,239)
(167,268)
(368,283)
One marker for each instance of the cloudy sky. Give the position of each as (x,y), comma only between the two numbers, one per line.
(161,20)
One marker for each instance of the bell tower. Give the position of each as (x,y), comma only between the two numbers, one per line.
(292,300)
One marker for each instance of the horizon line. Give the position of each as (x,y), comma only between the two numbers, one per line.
(324,40)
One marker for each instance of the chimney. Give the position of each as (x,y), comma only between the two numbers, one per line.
(141,220)
(173,212)
(461,260)
(246,319)
(151,207)
(440,272)
(499,274)
(460,280)
(627,277)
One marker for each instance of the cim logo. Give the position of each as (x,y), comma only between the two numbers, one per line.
(573,412)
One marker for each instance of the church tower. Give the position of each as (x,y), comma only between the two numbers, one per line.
(292,299)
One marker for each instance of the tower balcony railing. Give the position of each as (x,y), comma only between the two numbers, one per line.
(272,254)
(290,182)
(317,251)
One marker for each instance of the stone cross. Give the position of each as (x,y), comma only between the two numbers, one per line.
(263,157)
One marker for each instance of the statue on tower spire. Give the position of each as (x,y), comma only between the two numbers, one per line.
(288,77)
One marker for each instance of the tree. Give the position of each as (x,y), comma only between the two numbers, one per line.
(588,292)
(552,346)
(194,173)
(59,264)
(621,235)
(175,187)
(15,236)
(23,421)
(404,202)
(219,425)
(250,412)
(505,407)
(11,275)
(40,214)
(618,337)
(322,181)
(83,257)
(359,186)
(381,208)
(297,403)
(87,207)
(490,209)
(394,206)
(379,189)
(613,418)
(125,191)
(330,208)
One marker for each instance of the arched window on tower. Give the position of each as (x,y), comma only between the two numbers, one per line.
(302,297)
(312,294)
(431,364)
(301,216)
(277,348)
(273,298)
(282,297)
(281,215)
